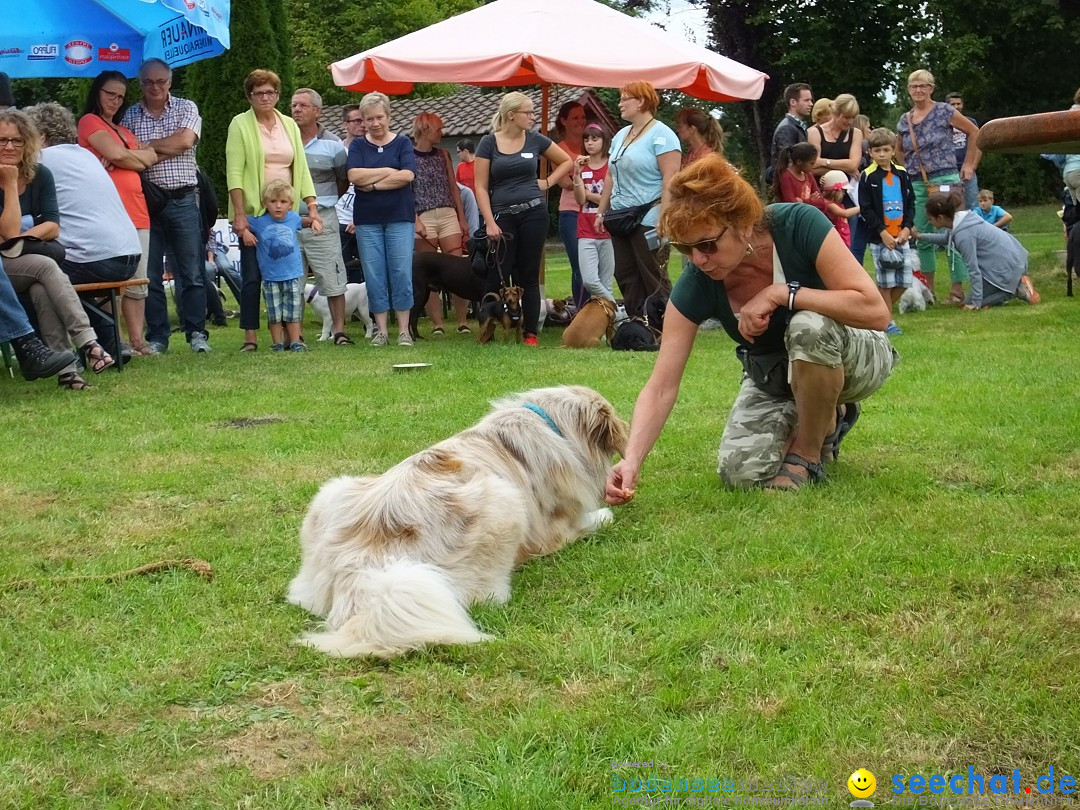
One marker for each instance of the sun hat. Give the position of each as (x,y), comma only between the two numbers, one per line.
(833,179)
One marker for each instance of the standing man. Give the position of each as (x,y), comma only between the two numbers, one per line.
(799,101)
(350,251)
(326,161)
(172,127)
(959,142)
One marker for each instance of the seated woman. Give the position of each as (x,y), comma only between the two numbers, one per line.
(28,209)
(997,264)
(97,234)
(805,316)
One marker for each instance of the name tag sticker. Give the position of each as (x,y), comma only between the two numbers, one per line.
(527,155)
(586,175)
(943,188)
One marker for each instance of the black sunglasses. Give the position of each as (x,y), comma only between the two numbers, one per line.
(706,247)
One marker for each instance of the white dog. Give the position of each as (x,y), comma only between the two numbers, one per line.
(356,303)
(916,298)
(392,561)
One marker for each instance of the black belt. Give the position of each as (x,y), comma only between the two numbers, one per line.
(517,208)
(183,191)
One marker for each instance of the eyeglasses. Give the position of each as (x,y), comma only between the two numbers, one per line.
(706,247)
(918,86)
(263,93)
(18,143)
(154,82)
(354,120)
(113,96)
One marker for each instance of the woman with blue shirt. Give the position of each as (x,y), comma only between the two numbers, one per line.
(644,157)
(511,200)
(925,139)
(382,166)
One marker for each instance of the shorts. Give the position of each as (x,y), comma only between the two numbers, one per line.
(141,290)
(284,300)
(440,223)
(759,424)
(898,277)
(322,254)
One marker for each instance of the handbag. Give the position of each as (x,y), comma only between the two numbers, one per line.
(768,370)
(32,246)
(156,198)
(625,221)
(930,188)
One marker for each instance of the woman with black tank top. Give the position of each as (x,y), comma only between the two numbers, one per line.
(511,200)
(839,143)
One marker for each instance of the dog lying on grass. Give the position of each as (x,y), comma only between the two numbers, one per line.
(502,309)
(595,320)
(392,561)
(356,303)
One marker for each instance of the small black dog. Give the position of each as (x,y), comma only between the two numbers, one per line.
(1070,218)
(501,309)
(635,335)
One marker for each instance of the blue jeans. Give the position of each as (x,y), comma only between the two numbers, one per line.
(13,320)
(858,239)
(176,230)
(568,232)
(387,251)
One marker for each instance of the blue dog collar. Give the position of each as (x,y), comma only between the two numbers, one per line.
(543,415)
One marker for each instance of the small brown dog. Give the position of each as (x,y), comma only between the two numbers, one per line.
(501,309)
(594,320)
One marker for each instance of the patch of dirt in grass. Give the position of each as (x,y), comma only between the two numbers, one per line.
(251,421)
(273,749)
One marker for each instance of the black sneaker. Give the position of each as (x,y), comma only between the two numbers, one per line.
(36,360)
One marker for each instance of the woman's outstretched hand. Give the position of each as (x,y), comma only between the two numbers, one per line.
(620,483)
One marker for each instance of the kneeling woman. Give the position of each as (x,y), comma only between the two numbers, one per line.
(788,292)
(996,262)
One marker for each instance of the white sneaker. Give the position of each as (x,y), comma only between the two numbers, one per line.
(379,339)
(404,339)
(199,344)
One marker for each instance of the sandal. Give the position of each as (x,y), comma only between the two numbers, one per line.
(249,347)
(95,357)
(464,330)
(846,417)
(815,474)
(72,382)
(438,330)
(341,339)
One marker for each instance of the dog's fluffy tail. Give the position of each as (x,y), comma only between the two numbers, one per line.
(392,610)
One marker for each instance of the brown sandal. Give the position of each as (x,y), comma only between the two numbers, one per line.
(249,347)
(72,382)
(95,357)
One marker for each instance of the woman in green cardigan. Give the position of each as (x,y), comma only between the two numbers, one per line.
(262,145)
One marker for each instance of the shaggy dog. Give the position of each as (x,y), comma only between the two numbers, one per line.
(916,298)
(595,320)
(501,310)
(356,303)
(435,272)
(392,561)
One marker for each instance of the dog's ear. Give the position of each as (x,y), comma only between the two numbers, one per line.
(606,430)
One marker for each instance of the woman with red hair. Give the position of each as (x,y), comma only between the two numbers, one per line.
(806,317)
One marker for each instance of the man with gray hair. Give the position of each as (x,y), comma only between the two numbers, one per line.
(172,127)
(326,158)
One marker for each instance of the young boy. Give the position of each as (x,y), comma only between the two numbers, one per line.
(887,206)
(273,235)
(994,214)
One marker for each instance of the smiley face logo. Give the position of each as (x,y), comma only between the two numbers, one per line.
(861,783)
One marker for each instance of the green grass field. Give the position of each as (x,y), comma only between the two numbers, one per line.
(918,613)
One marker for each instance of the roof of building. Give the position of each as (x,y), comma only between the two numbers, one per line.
(468,112)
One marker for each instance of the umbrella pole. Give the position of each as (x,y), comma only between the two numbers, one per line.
(545,170)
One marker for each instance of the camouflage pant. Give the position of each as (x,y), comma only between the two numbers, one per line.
(760,424)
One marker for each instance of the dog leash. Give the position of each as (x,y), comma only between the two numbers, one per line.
(543,415)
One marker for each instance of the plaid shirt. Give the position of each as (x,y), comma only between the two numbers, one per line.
(179,113)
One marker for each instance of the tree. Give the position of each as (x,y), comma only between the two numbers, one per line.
(325,31)
(217,85)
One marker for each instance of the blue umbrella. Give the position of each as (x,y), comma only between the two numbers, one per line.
(80,38)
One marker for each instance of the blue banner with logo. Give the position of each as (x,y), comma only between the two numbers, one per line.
(81,38)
